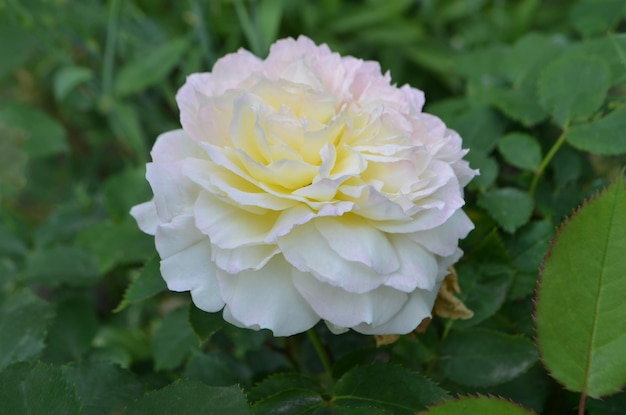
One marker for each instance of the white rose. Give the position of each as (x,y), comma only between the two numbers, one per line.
(304,187)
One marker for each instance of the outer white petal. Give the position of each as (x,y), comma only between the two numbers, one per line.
(266,299)
(417,308)
(146,216)
(174,146)
(240,259)
(345,309)
(174,194)
(444,239)
(418,267)
(186,262)
(307,250)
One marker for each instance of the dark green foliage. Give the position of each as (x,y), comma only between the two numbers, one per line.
(537,90)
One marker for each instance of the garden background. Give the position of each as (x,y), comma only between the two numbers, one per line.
(537,90)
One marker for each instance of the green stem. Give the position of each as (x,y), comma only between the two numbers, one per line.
(321,351)
(203,35)
(109,50)
(546,160)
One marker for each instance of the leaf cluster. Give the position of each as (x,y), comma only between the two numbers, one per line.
(536,89)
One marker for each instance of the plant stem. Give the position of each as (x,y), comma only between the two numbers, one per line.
(321,351)
(109,49)
(581,403)
(546,160)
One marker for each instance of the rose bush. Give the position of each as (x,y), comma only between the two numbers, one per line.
(304,187)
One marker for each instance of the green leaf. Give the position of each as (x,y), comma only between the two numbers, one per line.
(480,128)
(38,389)
(477,405)
(149,68)
(520,150)
(269,15)
(519,104)
(481,357)
(173,341)
(70,265)
(529,56)
(527,248)
(580,307)
(290,401)
(211,369)
(484,282)
(44,135)
(612,405)
(204,324)
(388,387)
(188,397)
(125,190)
(74,327)
(103,388)
(17,46)
(24,321)
(488,170)
(125,122)
(596,16)
(574,86)
(508,206)
(12,157)
(10,244)
(116,244)
(602,136)
(280,382)
(147,284)
(68,78)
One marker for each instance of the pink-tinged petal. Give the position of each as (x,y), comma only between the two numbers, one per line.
(307,250)
(174,146)
(174,194)
(186,261)
(418,267)
(244,258)
(443,240)
(228,226)
(146,216)
(232,70)
(266,299)
(417,308)
(346,309)
(356,240)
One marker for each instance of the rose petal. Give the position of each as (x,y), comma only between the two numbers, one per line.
(355,240)
(186,261)
(307,250)
(346,309)
(417,308)
(146,216)
(418,268)
(228,226)
(266,299)
(443,239)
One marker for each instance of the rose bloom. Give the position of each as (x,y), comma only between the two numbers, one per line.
(304,187)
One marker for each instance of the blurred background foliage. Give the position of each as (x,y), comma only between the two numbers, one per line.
(87,85)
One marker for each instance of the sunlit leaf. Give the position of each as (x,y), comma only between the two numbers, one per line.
(476,405)
(580,305)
